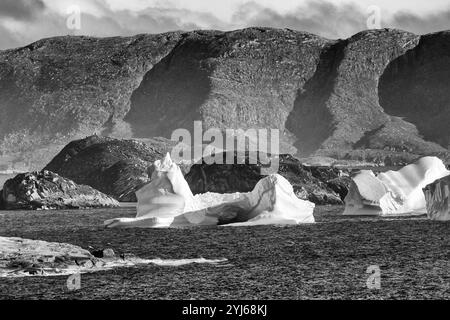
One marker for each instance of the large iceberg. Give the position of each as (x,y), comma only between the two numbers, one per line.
(437,196)
(167,201)
(393,192)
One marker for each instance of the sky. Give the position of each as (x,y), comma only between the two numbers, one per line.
(25,21)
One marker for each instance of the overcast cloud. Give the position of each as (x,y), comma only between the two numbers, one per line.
(25,21)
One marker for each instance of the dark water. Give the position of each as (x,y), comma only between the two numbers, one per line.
(328,259)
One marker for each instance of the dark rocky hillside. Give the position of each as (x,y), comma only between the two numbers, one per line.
(317,184)
(379,91)
(115,167)
(242,79)
(119,167)
(60,89)
(423,73)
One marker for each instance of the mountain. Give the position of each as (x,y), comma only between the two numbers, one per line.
(377,94)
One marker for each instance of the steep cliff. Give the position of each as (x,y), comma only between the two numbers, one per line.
(59,89)
(380,90)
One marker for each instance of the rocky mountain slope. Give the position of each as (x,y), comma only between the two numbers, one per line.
(382,91)
(59,89)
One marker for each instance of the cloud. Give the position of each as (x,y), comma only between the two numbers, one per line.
(323,18)
(421,25)
(25,21)
(20,9)
(7,40)
(336,21)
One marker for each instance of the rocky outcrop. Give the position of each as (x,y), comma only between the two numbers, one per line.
(321,185)
(47,190)
(327,97)
(34,257)
(113,166)
(21,257)
(437,196)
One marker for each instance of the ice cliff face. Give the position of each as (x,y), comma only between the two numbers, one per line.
(437,195)
(331,98)
(394,192)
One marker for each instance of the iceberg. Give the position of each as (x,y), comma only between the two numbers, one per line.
(437,196)
(393,192)
(167,201)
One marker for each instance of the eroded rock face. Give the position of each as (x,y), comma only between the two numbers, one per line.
(327,97)
(47,190)
(59,89)
(320,185)
(113,166)
(437,196)
(422,72)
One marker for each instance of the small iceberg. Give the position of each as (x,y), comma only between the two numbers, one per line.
(394,192)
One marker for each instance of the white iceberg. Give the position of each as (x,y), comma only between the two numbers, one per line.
(437,196)
(167,201)
(393,192)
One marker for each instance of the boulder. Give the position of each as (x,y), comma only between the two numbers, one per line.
(437,196)
(47,190)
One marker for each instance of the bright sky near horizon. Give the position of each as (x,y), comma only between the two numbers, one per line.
(224,8)
(25,21)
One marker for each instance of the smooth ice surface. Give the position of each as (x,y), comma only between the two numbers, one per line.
(167,201)
(393,192)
